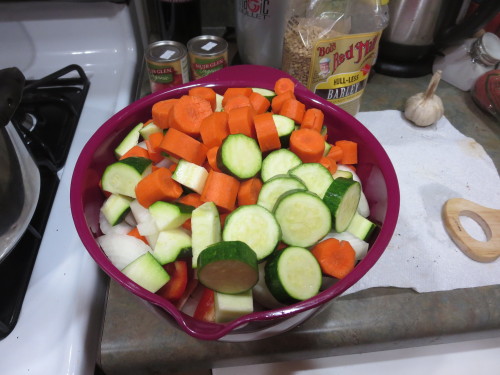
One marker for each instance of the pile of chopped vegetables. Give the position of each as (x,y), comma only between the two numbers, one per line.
(222,202)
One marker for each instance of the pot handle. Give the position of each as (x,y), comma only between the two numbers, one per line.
(11,91)
(485,12)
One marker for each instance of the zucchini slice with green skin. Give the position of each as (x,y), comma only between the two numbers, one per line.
(147,272)
(315,176)
(170,215)
(205,229)
(255,226)
(361,227)
(130,140)
(240,156)
(190,175)
(278,162)
(268,94)
(122,176)
(149,129)
(229,307)
(285,126)
(273,188)
(342,198)
(115,208)
(293,274)
(171,245)
(303,217)
(228,267)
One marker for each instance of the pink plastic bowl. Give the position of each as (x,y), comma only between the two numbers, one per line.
(374,168)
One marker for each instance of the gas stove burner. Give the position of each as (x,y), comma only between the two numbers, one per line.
(46,120)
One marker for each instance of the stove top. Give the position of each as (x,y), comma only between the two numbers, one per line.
(46,120)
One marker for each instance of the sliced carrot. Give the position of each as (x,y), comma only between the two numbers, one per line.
(307,144)
(153,145)
(188,112)
(135,233)
(157,186)
(329,164)
(278,100)
(335,153)
(313,119)
(222,189)
(214,129)
(161,112)
(336,258)
(259,102)
(293,109)
(136,151)
(235,91)
(240,120)
(267,134)
(249,191)
(206,93)
(236,102)
(212,158)
(182,146)
(283,85)
(349,151)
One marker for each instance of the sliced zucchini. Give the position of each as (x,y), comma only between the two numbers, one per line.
(328,147)
(205,229)
(341,173)
(229,307)
(130,140)
(218,103)
(361,227)
(147,272)
(149,129)
(278,162)
(122,176)
(171,245)
(268,94)
(275,187)
(240,156)
(228,267)
(261,292)
(293,274)
(255,226)
(170,215)
(303,217)
(190,175)
(122,249)
(285,127)
(342,198)
(115,208)
(315,176)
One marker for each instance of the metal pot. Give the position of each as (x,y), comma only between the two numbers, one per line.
(19,175)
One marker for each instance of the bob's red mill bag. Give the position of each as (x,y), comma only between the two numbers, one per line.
(331,45)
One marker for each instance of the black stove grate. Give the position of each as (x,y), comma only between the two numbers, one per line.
(46,120)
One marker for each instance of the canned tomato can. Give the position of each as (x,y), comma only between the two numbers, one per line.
(207,54)
(167,64)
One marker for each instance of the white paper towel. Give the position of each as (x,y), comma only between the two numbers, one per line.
(433,164)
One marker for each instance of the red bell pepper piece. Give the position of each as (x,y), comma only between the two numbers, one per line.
(174,289)
(205,310)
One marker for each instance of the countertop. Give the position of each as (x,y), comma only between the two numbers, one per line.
(136,340)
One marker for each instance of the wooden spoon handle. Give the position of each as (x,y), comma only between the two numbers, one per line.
(487,218)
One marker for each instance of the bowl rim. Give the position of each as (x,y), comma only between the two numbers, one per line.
(233,76)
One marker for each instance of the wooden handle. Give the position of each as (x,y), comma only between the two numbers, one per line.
(487,218)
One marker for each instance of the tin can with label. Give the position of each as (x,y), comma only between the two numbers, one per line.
(207,54)
(167,64)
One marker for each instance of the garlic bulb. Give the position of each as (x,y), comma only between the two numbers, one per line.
(424,109)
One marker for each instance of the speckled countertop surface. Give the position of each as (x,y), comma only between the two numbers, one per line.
(136,340)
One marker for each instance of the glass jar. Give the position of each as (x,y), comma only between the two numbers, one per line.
(462,65)
(486,93)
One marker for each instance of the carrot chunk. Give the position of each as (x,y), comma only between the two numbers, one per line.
(259,102)
(182,146)
(235,91)
(335,153)
(293,109)
(136,151)
(134,232)
(329,164)
(267,134)
(214,129)
(336,258)
(349,151)
(237,102)
(206,93)
(157,186)
(278,100)
(249,191)
(283,85)
(307,144)
(161,112)
(188,112)
(212,158)
(221,189)
(313,119)
(240,120)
